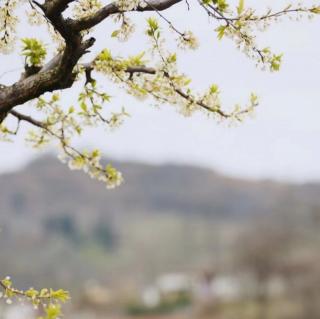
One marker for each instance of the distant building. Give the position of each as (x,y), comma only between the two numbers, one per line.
(166,286)
(206,289)
(210,288)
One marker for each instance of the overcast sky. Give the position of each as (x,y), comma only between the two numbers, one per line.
(280,142)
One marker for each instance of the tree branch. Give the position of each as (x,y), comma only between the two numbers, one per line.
(59,76)
(113,8)
(140,69)
(54,7)
(88,67)
(22,117)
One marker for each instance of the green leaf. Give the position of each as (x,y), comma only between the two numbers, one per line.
(240,7)
(315,10)
(115,33)
(34,51)
(221,31)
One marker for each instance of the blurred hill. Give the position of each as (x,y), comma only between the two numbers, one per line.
(61,228)
(47,188)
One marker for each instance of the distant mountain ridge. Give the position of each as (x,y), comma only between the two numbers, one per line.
(48,187)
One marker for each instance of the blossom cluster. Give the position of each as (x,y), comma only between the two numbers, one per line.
(8,24)
(48,300)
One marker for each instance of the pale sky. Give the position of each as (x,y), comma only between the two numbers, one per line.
(280,142)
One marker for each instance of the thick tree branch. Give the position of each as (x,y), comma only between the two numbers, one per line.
(30,88)
(113,8)
(54,7)
(59,76)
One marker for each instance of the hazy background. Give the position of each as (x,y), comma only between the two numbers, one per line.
(213,221)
